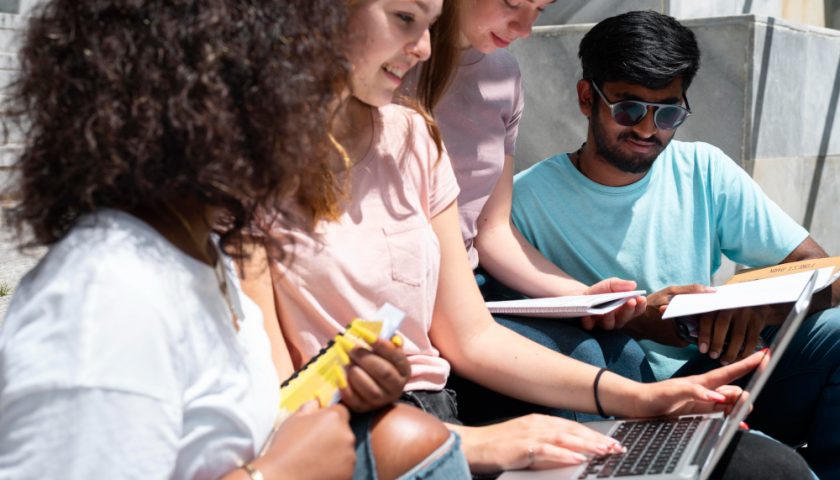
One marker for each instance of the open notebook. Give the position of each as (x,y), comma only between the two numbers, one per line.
(571,306)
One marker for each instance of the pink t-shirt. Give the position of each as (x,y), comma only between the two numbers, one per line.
(479,120)
(382,249)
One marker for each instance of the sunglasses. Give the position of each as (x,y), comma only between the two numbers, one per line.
(627,113)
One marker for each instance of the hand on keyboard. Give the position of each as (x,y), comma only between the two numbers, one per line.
(709,392)
(533,442)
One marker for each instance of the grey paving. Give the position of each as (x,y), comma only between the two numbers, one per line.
(13,264)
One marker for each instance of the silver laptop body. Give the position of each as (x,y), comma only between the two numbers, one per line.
(703,438)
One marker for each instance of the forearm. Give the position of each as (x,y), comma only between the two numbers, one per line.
(513,365)
(511,259)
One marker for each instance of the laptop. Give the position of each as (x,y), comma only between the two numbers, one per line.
(682,447)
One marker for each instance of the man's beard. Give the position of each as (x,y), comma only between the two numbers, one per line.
(629,163)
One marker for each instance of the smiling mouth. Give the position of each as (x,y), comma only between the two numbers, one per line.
(635,141)
(499,41)
(399,73)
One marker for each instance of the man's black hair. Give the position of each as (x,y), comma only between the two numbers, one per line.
(644,48)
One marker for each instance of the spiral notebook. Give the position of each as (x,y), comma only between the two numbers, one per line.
(571,306)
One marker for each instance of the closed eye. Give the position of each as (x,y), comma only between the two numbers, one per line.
(406,18)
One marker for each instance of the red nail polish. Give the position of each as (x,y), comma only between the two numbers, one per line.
(744,426)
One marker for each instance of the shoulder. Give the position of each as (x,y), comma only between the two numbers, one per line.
(699,153)
(101,300)
(541,172)
(404,127)
(503,61)
(700,158)
(111,250)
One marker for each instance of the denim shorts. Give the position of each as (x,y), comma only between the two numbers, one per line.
(445,463)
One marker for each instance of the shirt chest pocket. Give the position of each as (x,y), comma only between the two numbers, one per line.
(411,248)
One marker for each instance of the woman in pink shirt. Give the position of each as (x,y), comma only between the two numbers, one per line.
(397,239)
(478,107)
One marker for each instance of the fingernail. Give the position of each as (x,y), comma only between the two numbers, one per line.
(714,355)
(703,347)
(724,363)
(711,289)
(711,395)
(744,426)
(580,458)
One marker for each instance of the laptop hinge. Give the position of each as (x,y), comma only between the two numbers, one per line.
(709,441)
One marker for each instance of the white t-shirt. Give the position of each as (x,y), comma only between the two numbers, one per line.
(119,358)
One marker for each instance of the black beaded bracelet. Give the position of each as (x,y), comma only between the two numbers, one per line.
(595,389)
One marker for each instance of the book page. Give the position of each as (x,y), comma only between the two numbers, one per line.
(768,291)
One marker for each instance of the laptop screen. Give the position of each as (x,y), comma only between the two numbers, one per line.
(771,357)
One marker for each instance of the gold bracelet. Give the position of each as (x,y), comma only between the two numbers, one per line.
(253,473)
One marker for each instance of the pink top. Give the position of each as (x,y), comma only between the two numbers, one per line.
(382,249)
(479,120)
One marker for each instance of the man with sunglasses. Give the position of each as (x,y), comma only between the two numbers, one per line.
(634,203)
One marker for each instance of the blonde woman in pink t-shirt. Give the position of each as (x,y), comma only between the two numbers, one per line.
(397,239)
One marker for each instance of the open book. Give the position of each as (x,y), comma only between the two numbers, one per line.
(564,307)
(770,290)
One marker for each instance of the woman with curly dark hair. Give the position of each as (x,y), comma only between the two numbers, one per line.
(154,131)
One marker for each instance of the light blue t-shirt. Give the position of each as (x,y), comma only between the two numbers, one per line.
(669,228)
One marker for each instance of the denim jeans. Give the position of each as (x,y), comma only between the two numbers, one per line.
(445,463)
(801,402)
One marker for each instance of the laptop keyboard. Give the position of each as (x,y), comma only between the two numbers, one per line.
(653,447)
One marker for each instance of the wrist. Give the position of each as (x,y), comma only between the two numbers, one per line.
(252,472)
(472,445)
(618,396)
(266,466)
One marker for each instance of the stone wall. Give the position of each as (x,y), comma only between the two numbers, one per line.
(567,12)
(11,26)
(13,264)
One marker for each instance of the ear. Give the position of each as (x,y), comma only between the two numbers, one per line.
(584,93)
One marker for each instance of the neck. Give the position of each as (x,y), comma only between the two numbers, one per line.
(463,42)
(596,168)
(352,127)
(191,232)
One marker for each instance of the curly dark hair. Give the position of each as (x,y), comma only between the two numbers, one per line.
(128,103)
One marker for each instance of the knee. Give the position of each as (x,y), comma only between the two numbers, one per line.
(756,456)
(402,437)
(588,350)
(820,333)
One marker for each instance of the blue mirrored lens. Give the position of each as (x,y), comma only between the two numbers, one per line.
(629,113)
(669,118)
